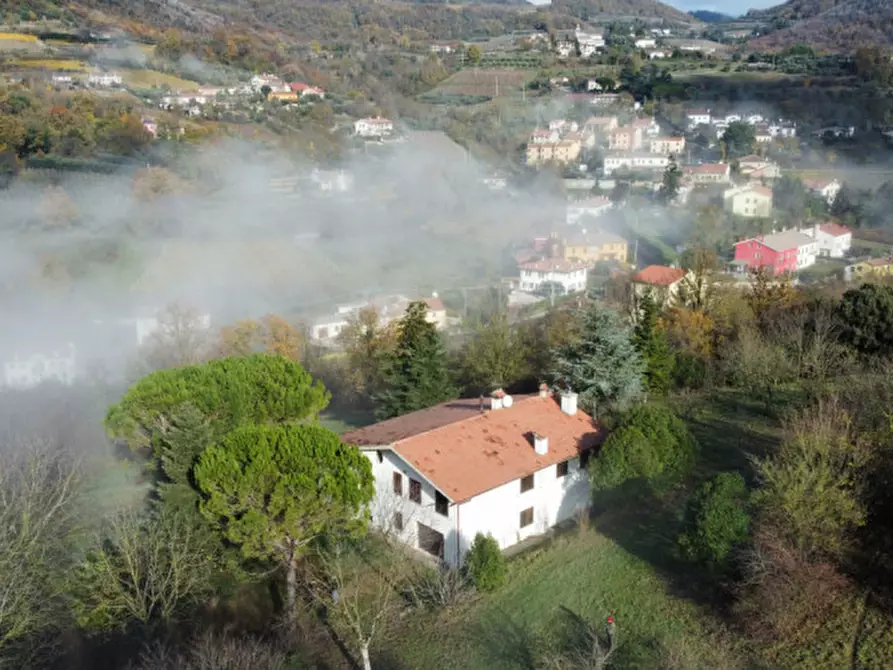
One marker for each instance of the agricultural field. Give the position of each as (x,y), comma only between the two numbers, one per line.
(481,85)
(67,65)
(143,78)
(19,42)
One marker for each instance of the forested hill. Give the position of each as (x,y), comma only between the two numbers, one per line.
(711,17)
(794,10)
(844,27)
(591,9)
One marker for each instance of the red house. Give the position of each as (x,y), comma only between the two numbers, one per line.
(781,252)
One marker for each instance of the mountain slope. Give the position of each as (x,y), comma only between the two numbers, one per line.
(794,10)
(591,9)
(708,16)
(844,27)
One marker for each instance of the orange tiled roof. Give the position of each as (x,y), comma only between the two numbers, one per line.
(471,455)
(834,229)
(659,275)
(435,304)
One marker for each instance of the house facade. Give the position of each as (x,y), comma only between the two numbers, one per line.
(562,152)
(633,161)
(751,201)
(788,251)
(697,117)
(660,281)
(591,247)
(824,188)
(373,127)
(873,268)
(571,275)
(670,146)
(24,371)
(509,468)
(594,207)
(708,173)
(626,138)
(834,240)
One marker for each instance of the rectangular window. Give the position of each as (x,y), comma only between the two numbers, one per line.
(415,491)
(380,456)
(441,504)
(398,484)
(526,517)
(584,459)
(398,521)
(561,469)
(527,483)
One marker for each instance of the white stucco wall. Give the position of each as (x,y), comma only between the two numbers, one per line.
(496,512)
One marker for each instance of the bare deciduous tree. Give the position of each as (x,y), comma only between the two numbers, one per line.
(142,568)
(216,652)
(39,487)
(182,338)
(585,648)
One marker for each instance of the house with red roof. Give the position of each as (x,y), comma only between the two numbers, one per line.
(560,275)
(661,281)
(824,188)
(834,240)
(507,467)
(304,90)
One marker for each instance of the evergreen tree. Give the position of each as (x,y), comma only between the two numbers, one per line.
(650,341)
(417,373)
(669,189)
(601,365)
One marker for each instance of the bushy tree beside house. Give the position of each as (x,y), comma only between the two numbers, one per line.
(417,373)
(651,445)
(866,318)
(485,563)
(602,365)
(717,520)
(650,340)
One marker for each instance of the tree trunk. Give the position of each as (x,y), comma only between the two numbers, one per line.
(364,651)
(291,592)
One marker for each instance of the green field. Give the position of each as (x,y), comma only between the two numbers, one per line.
(142,78)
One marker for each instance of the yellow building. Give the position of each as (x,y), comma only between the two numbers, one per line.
(286,96)
(562,152)
(877,268)
(595,246)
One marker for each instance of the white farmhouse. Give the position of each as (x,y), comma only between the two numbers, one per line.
(824,188)
(834,240)
(594,207)
(634,161)
(22,371)
(697,117)
(569,274)
(645,43)
(589,43)
(510,468)
(373,127)
(104,79)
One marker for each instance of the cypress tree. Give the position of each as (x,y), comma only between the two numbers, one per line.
(650,341)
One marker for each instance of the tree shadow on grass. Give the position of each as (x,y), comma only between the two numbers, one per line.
(505,641)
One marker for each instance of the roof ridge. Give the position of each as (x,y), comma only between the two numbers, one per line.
(479,415)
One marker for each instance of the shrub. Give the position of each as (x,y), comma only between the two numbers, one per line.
(717,520)
(485,563)
(651,443)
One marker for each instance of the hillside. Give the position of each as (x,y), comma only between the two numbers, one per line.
(844,27)
(708,16)
(645,9)
(794,10)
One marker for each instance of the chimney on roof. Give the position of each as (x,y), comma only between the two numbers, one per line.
(497,399)
(540,444)
(544,390)
(569,403)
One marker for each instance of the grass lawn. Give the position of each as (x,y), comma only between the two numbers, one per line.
(341,422)
(589,574)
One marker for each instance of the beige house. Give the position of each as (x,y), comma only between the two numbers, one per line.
(750,201)
(591,247)
(626,138)
(708,173)
(667,145)
(662,282)
(563,152)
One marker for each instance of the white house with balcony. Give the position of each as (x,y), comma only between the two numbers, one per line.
(27,370)
(511,468)
(373,127)
(571,275)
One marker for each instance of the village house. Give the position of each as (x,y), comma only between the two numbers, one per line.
(27,370)
(659,54)
(604,99)
(544,136)
(509,467)
(104,79)
(645,43)
(834,240)
(751,201)
(708,173)
(571,275)
(649,126)
(824,188)
(62,79)
(600,124)
(304,90)
(873,268)
(561,152)
(283,96)
(595,246)
(589,43)
(564,126)
(626,138)
(757,168)
(373,127)
(669,146)
(661,282)
(634,161)
(593,206)
(761,134)
(334,181)
(788,251)
(445,47)
(327,329)
(697,117)
(271,81)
